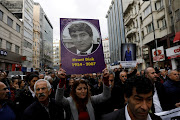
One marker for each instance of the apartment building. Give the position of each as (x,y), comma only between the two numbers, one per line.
(56,54)
(44,38)
(23,10)
(151,25)
(105,43)
(115,30)
(11,36)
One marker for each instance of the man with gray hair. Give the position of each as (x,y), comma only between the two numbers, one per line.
(44,108)
(172,90)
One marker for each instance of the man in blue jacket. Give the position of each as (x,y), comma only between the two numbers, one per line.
(6,113)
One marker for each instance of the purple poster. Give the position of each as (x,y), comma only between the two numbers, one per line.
(81,46)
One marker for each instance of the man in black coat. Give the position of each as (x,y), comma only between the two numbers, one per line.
(44,108)
(138,95)
(82,37)
(159,92)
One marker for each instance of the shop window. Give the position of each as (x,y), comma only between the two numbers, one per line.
(1,15)
(9,22)
(8,46)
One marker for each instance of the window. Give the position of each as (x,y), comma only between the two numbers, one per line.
(8,46)
(18,28)
(16,49)
(147,11)
(1,15)
(149,28)
(159,5)
(162,24)
(0,42)
(177,13)
(25,43)
(9,22)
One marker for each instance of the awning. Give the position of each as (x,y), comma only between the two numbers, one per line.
(177,37)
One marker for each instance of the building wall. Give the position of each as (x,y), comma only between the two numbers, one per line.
(115,29)
(105,43)
(36,36)
(56,54)
(11,35)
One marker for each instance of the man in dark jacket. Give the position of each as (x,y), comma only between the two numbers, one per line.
(138,95)
(159,92)
(44,108)
(6,112)
(172,90)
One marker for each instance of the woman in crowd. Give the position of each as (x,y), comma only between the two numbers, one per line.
(80,101)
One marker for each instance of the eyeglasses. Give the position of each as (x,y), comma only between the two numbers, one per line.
(4,89)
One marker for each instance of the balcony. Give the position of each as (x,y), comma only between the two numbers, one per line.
(129,19)
(131,32)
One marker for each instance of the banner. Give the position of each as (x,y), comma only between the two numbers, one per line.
(128,55)
(81,46)
(173,114)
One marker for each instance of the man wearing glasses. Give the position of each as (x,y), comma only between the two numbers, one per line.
(6,113)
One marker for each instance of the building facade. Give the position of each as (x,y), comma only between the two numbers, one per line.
(152,26)
(45,38)
(56,54)
(36,39)
(23,9)
(105,43)
(115,30)
(11,36)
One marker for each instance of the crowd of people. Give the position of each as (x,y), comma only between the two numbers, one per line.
(115,94)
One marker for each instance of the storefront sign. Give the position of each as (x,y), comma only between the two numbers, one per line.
(2,52)
(159,55)
(173,52)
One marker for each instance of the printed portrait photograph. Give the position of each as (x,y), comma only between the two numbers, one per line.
(128,52)
(81,37)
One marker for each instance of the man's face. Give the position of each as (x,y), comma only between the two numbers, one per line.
(174,76)
(53,75)
(123,76)
(71,81)
(163,73)
(81,40)
(151,74)
(42,92)
(41,76)
(139,105)
(3,91)
(32,82)
(111,80)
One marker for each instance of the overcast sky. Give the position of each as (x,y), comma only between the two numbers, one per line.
(92,9)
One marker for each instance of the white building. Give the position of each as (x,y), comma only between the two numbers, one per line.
(105,43)
(56,54)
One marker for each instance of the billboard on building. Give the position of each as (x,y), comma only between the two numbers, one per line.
(81,46)
(128,55)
